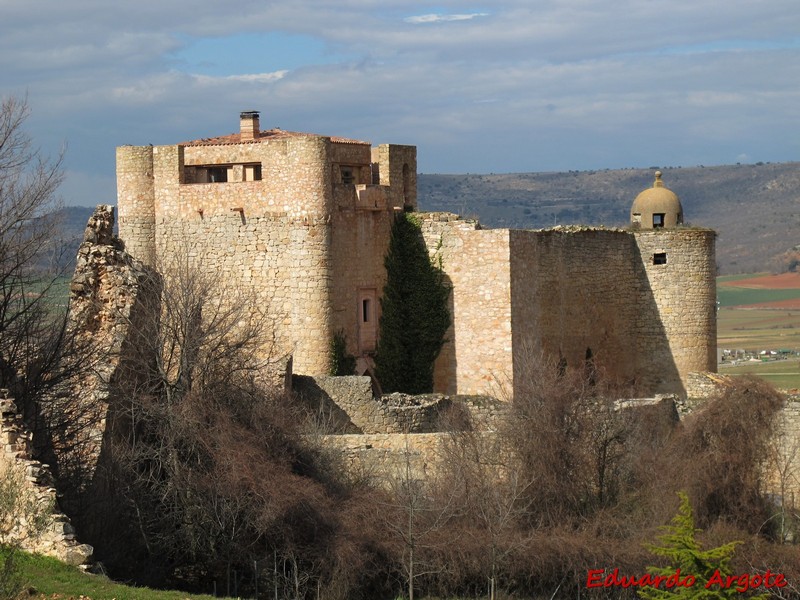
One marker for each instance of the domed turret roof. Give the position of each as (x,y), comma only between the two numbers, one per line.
(656,207)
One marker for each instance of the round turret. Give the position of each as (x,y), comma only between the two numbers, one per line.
(656,207)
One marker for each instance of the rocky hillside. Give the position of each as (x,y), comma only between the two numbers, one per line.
(754,208)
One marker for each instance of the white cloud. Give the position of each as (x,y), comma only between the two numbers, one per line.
(439,18)
(247,78)
(540,84)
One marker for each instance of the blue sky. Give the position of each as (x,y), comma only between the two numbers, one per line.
(503,86)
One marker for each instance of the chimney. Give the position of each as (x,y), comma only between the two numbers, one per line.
(249,126)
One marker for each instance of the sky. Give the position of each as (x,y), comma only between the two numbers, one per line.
(492,87)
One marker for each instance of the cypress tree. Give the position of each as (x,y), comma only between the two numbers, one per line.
(414,315)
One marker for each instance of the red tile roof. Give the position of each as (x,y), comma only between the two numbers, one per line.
(272,134)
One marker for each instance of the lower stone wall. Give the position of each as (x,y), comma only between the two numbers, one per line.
(784,461)
(347,405)
(36,485)
(380,457)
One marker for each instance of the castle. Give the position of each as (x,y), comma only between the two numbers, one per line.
(303,222)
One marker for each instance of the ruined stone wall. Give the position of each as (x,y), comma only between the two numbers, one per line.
(381,457)
(112,298)
(573,293)
(347,404)
(677,315)
(34,484)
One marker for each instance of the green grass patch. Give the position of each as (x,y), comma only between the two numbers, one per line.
(49,576)
(783,374)
(758,329)
(736,296)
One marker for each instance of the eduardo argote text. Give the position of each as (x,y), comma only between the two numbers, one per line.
(598,578)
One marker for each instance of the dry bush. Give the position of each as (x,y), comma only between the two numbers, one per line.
(719,454)
(574,481)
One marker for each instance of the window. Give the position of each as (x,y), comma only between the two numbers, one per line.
(347,175)
(217,174)
(658,219)
(365,316)
(367,308)
(660,258)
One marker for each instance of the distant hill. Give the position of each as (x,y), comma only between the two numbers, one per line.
(71,225)
(754,208)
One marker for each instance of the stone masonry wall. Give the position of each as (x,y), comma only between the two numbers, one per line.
(677,316)
(348,405)
(573,292)
(302,245)
(783,466)
(477,266)
(58,538)
(277,269)
(359,242)
(110,307)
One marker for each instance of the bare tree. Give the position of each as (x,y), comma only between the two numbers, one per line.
(28,184)
(493,497)
(418,509)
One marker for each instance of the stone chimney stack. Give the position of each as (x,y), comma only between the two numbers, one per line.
(249,125)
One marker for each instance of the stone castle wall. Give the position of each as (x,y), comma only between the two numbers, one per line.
(298,245)
(347,405)
(576,294)
(783,465)
(573,295)
(477,267)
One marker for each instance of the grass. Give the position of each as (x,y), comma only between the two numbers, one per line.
(736,296)
(783,374)
(49,576)
(758,329)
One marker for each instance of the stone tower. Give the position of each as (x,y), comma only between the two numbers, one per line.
(677,317)
(299,222)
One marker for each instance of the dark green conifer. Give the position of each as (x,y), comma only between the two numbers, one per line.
(679,544)
(414,315)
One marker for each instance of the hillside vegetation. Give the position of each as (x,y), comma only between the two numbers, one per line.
(754,208)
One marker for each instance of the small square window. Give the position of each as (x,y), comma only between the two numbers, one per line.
(347,175)
(660,258)
(658,219)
